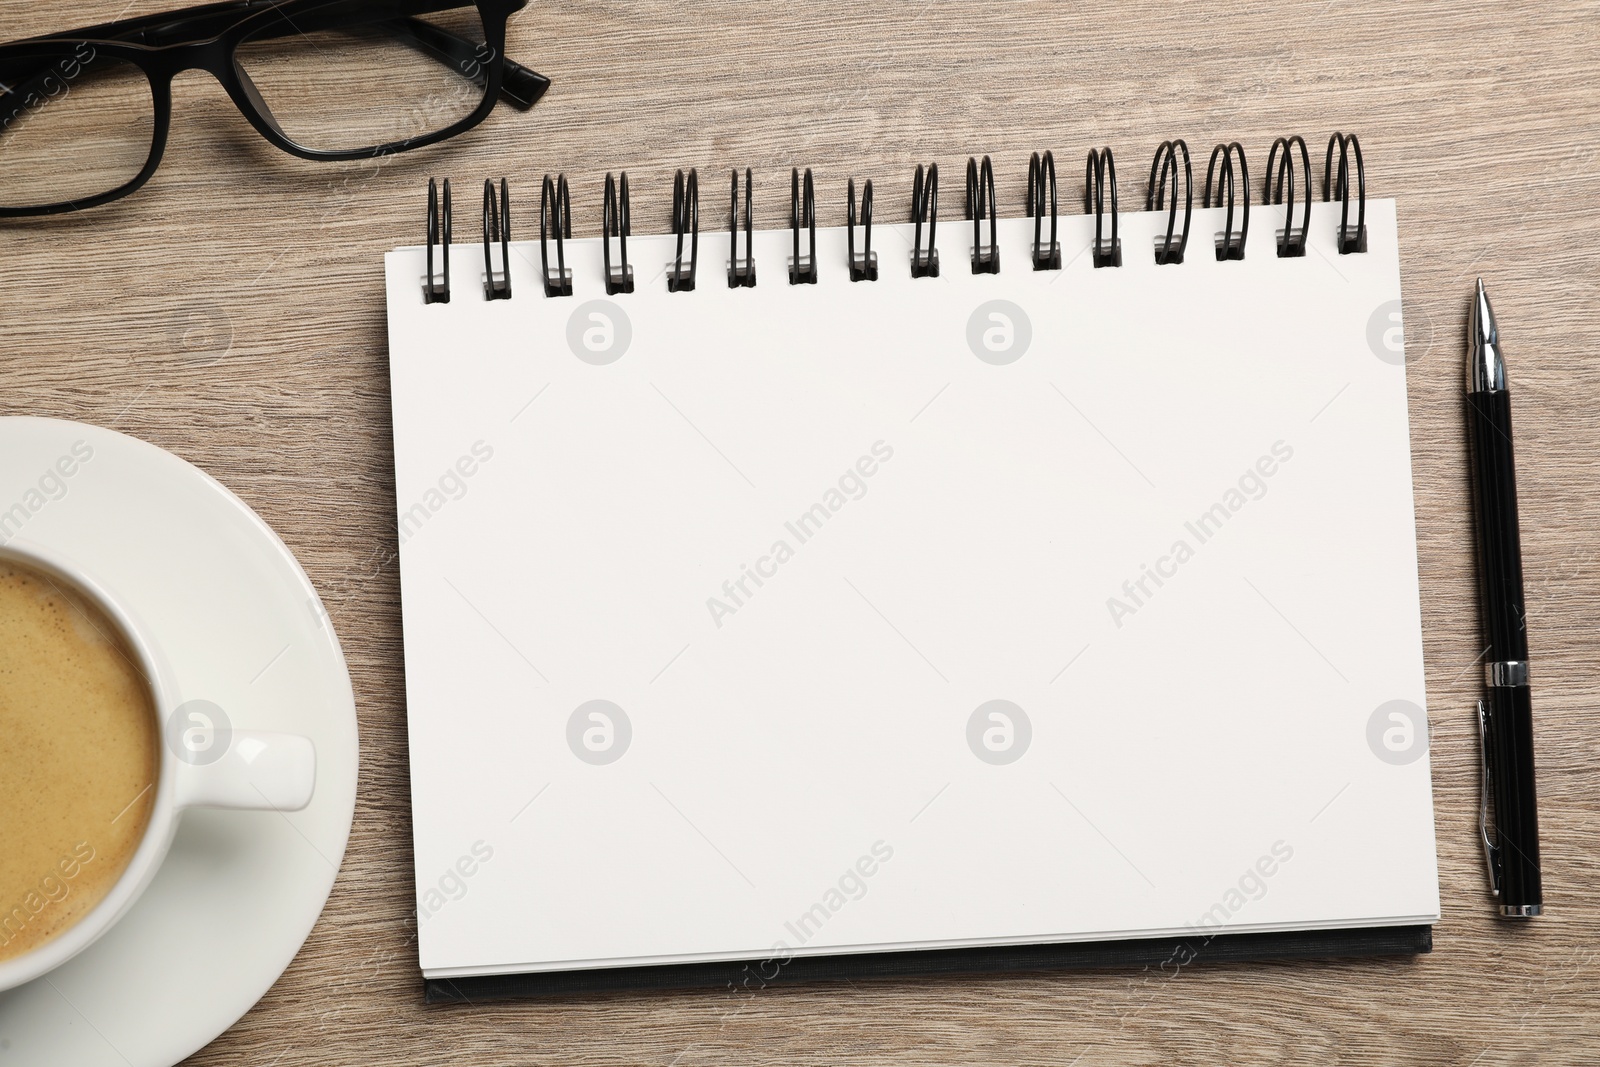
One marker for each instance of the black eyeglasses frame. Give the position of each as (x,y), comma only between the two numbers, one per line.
(205,38)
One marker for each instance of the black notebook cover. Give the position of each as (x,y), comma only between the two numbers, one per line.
(1166,953)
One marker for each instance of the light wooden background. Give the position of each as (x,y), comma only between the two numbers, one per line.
(233,313)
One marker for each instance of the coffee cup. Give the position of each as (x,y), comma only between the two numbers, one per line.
(198,762)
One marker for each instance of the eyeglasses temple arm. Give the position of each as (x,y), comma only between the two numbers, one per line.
(519,86)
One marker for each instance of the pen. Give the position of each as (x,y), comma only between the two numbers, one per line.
(1505,714)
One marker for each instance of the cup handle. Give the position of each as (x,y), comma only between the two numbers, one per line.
(257,772)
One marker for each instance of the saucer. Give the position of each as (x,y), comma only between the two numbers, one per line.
(241,626)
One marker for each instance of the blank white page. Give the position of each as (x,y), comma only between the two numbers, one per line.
(798,539)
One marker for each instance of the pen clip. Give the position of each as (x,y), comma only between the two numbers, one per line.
(1491,852)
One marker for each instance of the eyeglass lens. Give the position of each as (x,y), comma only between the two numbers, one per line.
(336,79)
(72,126)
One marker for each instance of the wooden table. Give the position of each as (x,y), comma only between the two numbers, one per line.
(233,313)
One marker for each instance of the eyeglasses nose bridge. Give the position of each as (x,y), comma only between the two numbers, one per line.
(214,57)
(210,56)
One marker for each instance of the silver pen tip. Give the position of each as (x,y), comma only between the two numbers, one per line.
(1486,370)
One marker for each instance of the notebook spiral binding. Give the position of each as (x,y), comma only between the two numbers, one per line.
(863,268)
(1042,180)
(1349,242)
(436,287)
(616,221)
(742,272)
(1291,240)
(925,210)
(1229,246)
(803,212)
(496,230)
(1099,176)
(1166,166)
(555,215)
(685,222)
(1286,184)
(981,203)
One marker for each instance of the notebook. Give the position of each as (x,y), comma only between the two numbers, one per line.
(985,618)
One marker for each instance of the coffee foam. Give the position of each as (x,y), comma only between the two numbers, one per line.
(79,757)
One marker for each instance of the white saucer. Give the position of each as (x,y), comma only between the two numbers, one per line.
(242,627)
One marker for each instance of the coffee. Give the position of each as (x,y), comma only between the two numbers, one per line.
(78,757)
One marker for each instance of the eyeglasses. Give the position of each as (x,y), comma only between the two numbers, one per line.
(84,114)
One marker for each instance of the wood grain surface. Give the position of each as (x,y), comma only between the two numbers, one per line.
(233,312)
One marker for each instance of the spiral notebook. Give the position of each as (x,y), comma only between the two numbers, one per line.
(781,605)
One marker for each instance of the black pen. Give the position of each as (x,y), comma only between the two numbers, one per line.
(1505,714)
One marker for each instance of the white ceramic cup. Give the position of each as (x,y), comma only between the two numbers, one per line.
(201,766)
